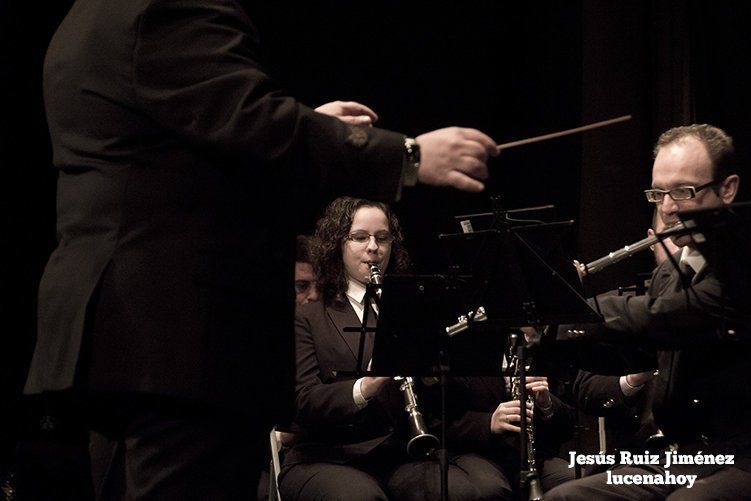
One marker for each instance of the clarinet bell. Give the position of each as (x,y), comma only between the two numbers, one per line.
(535,489)
(422,445)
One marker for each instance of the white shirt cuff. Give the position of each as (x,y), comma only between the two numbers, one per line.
(360,401)
(627,389)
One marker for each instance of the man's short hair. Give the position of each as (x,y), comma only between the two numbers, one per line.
(304,249)
(718,143)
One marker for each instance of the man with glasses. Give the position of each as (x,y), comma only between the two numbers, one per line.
(702,392)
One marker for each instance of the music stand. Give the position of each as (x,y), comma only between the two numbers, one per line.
(410,340)
(414,311)
(500,269)
(508,273)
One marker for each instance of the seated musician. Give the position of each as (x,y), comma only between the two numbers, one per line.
(487,421)
(306,291)
(625,401)
(306,285)
(352,443)
(702,391)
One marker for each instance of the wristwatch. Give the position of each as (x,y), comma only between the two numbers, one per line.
(411,161)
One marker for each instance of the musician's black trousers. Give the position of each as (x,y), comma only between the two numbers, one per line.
(471,477)
(148,447)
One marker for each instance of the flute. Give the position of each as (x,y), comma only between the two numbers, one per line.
(629,250)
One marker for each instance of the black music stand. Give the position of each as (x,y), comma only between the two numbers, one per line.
(414,313)
(502,270)
(415,310)
(506,269)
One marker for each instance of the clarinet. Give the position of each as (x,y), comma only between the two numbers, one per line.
(535,489)
(422,442)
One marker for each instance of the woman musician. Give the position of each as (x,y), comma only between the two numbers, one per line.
(354,432)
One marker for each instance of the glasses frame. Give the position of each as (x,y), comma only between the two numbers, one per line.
(693,190)
(351,238)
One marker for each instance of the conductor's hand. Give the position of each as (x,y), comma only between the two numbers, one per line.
(505,414)
(350,112)
(455,157)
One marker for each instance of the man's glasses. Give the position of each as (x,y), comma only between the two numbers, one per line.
(363,237)
(303,286)
(680,193)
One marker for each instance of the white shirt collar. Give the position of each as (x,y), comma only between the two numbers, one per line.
(693,258)
(355,291)
(356,295)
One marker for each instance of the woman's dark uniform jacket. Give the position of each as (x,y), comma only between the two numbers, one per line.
(333,428)
(179,163)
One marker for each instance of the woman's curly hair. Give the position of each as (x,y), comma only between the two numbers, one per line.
(331,231)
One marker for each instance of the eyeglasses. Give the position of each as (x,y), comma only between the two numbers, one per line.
(680,193)
(303,286)
(363,237)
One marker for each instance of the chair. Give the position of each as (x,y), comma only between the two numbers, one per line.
(275,446)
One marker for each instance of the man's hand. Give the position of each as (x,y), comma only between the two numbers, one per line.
(349,112)
(455,157)
(505,414)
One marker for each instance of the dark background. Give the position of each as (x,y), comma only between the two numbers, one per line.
(509,69)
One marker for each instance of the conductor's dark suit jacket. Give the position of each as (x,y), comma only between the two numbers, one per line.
(333,428)
(702,392)
(179,164)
